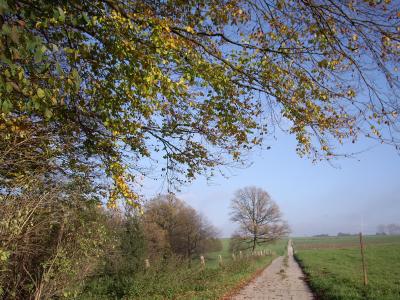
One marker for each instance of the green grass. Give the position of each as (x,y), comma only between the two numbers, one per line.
(334,269)
(277,248)
(176,281)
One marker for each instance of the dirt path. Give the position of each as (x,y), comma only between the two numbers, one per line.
(283,279)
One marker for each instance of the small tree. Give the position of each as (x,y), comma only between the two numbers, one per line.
(259,218)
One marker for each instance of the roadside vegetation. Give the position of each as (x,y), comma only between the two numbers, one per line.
(75,249)
(333,266)
(174,280)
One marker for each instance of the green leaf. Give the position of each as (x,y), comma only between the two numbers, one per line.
(85,17)
(48,113)
(6,106)
(9,87)
(39,54)
(62,14)
(14,34)
(3,6)
(40,93)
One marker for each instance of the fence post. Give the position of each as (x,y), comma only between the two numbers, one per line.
(363,260)
(240,254)
(220,260)
(233,257)
(202,262)
(146,263)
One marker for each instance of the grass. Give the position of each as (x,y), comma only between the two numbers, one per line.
(277,248)
(333,266)
(176,281)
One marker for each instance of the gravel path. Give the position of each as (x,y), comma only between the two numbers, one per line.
(280,280)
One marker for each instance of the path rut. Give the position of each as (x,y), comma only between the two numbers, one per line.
(280,280)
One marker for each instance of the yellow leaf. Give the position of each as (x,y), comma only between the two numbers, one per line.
(189,29)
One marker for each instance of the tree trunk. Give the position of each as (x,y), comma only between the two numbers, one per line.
(188,252)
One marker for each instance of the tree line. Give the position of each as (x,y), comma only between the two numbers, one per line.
(52,240)
(389,229)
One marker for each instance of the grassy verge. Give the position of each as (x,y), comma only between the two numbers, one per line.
(333,267)
(175,280)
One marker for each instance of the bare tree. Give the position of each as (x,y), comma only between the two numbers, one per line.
(259,218)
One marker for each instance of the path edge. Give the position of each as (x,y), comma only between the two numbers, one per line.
(306,278)
(232,292)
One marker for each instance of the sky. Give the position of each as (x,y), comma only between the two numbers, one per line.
(356,194)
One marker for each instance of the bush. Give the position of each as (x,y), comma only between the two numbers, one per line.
(51,238)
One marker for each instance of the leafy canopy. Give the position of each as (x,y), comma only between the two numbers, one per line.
(195,84)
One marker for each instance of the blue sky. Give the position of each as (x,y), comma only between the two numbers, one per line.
(357,194)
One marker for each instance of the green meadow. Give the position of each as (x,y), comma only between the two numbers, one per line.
(334,268)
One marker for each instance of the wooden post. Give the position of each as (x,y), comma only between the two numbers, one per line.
(146,264)
(233,257)
(363,260)
(202,262)
(240,254)
(220,260)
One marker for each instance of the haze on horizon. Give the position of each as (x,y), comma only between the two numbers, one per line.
(350,195)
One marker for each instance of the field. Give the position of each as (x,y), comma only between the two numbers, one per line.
(176,281)
(334,269)
(211,258)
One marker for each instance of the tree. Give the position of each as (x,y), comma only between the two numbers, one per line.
(258,216)
(390,229)
(393,229)
(126,247)
(381,230)
(199,81)
(177,228)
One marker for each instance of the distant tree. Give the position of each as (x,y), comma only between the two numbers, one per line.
(393,229)
(390,229)
(346,234)
(321,235)
(172,227)
(381,230)
(213,245)
(238,242)
(259,218)
(126,248)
